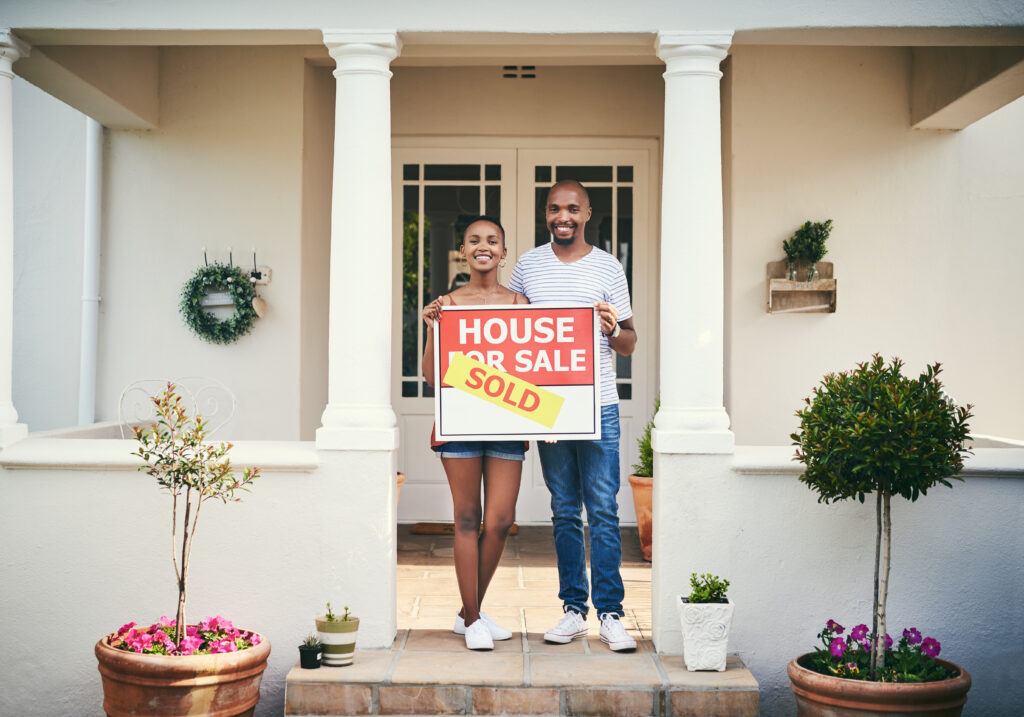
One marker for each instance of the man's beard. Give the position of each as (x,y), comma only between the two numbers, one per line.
(563,242)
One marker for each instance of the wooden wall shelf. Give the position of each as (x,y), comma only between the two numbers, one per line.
(801,296)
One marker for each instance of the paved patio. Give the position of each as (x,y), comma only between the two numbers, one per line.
(428,670)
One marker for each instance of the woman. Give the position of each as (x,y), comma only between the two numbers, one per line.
(477,552)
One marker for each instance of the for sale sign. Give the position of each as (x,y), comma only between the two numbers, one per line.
(517,372)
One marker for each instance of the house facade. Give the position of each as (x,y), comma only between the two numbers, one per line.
(343,146)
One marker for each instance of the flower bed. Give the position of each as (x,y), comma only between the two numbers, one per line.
(913,660)
(212,636)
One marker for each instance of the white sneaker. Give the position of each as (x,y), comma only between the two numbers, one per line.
(571,626)
(614,634)
(497,631)
(478,637)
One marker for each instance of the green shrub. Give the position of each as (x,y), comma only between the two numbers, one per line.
(707,588)
(644,467)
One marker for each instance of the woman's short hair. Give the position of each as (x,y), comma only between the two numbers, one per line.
(485,218)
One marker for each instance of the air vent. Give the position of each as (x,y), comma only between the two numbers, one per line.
(519,72)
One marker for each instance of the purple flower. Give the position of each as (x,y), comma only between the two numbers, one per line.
(931,647)
(859,633)
(838,647)
(888,641)
(913,636)
(833,626)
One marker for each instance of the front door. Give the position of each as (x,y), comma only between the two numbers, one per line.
(437,190)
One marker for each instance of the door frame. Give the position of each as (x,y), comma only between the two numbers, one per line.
(645,299)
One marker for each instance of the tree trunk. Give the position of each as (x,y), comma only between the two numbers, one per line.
(179,630)
(873,666)
(884,588)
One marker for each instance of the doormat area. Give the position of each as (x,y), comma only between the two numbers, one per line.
(447,529)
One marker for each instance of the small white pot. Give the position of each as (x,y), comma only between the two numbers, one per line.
(705,633)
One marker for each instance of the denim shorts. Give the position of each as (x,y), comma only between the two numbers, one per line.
(509,450)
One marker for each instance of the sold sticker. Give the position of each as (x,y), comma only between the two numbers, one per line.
(503,390)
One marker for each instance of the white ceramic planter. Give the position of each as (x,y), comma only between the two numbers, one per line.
(705,633)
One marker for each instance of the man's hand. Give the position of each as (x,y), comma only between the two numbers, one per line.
(609,316)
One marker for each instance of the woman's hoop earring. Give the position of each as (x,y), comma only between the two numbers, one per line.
(501,264)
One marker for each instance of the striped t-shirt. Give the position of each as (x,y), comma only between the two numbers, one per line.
(542,277)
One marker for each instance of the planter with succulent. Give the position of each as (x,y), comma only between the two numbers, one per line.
(338,635)
(807,245)
(873,430)
(309,652)
(170,667)
(705,616)
(642,483)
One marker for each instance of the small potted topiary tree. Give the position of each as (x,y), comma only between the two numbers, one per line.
(873,430)
(706,616)
(152,669)
(642,483)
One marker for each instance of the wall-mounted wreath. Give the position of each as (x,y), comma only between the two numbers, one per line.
(218,277)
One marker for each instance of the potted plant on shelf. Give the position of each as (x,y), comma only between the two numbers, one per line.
(873,430)
(705,616)
(170,667)
(808,245)
(642,483)
(338,635)
(309,652)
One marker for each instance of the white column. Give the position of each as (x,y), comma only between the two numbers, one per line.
(359,414)
(91,272)
(692,418)
(11,48)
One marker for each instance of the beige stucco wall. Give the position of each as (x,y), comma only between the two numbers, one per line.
(927,241)
(223,170)
(560,101)
(49,167)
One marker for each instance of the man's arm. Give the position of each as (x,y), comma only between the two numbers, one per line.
(625,342)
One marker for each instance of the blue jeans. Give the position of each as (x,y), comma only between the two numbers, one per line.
(578,474)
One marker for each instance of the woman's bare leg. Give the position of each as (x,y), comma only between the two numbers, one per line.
(464,481)
(501,490)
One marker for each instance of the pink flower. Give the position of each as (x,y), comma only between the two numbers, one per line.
(931,647)
(838,647)
(859,632)
(913,636)
(255,639)
(833,626)
(125,628)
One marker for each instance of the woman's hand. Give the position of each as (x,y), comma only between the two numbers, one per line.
(432,312)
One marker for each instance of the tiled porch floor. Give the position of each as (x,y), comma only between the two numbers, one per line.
(428,670)
(524,593)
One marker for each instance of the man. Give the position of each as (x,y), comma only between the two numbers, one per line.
(579,473)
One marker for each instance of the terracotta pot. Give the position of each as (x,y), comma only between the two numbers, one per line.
(221,685)
(643,504)
(339,640)
(819,695)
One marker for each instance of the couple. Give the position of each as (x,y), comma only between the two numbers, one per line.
(577,473)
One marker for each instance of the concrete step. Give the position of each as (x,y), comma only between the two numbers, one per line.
(431,672)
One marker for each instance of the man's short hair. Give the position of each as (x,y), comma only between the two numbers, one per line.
(570,183)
